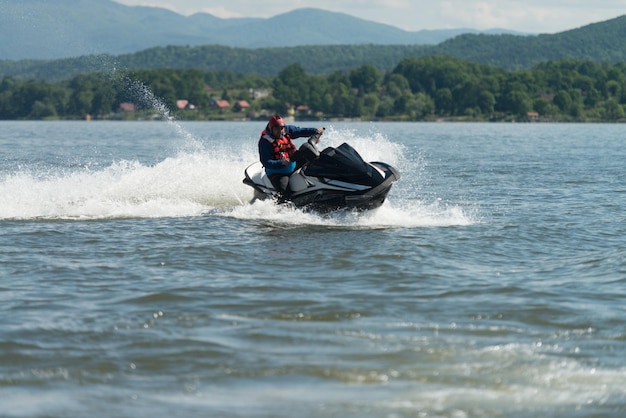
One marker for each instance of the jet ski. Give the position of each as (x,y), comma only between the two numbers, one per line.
(335,178)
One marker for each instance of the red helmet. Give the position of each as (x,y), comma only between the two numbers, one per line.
(276,121)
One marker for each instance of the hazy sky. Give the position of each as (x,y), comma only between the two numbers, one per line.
(535,16)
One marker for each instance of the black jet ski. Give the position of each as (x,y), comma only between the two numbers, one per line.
(336,178)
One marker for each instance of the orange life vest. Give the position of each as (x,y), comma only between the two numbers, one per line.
(283,147)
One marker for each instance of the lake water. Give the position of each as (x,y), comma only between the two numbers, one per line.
(136,279)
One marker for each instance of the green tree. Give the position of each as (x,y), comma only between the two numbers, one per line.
(7,88)
(614,89)
(292,85)
(420,107)
(42,110)
(563,101)
(385,108)
(545,107)
(612,110)
(444,102)
(486,102)
(370,105)
(366,79)
(518,103)
(396,85)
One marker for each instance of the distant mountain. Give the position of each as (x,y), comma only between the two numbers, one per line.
(94,35)
(599,42)
(46,29)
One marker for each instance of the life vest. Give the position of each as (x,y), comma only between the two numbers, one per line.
(282,147)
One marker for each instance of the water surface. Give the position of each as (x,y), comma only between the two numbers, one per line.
(137,279)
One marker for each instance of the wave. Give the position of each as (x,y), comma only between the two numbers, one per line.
(185,185)
(201,180)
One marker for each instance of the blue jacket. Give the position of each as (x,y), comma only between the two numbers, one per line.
(266,150)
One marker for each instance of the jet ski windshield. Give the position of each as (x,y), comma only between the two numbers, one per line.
(344,164)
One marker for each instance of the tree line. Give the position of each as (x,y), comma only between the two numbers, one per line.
(417,89)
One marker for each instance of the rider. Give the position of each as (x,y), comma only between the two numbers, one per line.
(278,153)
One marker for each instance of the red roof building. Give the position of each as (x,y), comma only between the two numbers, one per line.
(221,104)
(241,105)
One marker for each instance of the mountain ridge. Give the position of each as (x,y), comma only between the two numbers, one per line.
(600,42)
(41,29)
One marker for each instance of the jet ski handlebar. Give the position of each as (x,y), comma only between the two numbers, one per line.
(315,138)
(309,149)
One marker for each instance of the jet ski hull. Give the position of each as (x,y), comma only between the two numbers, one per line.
(328,199)
(323,187)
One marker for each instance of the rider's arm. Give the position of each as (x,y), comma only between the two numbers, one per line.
(297,132)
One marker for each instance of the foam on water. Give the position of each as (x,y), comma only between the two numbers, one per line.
(403,208)
(198,180)
(184,185)
(387,216)
(187,184)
